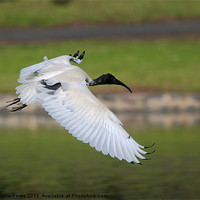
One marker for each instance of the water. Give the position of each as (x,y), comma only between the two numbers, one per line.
(54,162)
(38,157)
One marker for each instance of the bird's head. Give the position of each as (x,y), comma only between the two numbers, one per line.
(108,79)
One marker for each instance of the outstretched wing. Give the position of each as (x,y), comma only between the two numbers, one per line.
(30,76)
(29,72)
(87,119)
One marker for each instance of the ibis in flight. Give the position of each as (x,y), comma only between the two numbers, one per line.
(62,90)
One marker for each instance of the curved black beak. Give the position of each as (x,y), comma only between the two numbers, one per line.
(118,82)
(108,79)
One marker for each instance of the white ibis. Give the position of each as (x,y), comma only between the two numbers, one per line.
(62,90)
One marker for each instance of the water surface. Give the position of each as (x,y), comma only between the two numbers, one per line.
(54,162)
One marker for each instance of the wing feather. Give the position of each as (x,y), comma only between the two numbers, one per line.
(119,148)
(102,141)
(95,136)
(87,119)
(87,137)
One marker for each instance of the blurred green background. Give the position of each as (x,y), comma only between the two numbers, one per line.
(52,161)
(152,64)
(22,13)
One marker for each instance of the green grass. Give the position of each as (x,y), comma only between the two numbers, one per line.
(21,13)
(171,65)
(55,162)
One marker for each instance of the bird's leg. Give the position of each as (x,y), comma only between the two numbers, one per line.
(12,102)
(18,108)
(16,101)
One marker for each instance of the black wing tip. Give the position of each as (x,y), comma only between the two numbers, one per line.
(132,162)
(150,146)
(82,55)
(76,54)
(151,152)
(146,159)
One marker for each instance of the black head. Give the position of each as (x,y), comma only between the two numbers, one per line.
(105,78)
(108,79)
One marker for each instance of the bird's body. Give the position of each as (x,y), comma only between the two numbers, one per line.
(62,90)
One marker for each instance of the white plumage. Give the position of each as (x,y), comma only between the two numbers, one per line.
(62,90)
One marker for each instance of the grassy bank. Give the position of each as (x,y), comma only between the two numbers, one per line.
(55,162)
(21,13)
(170,65)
